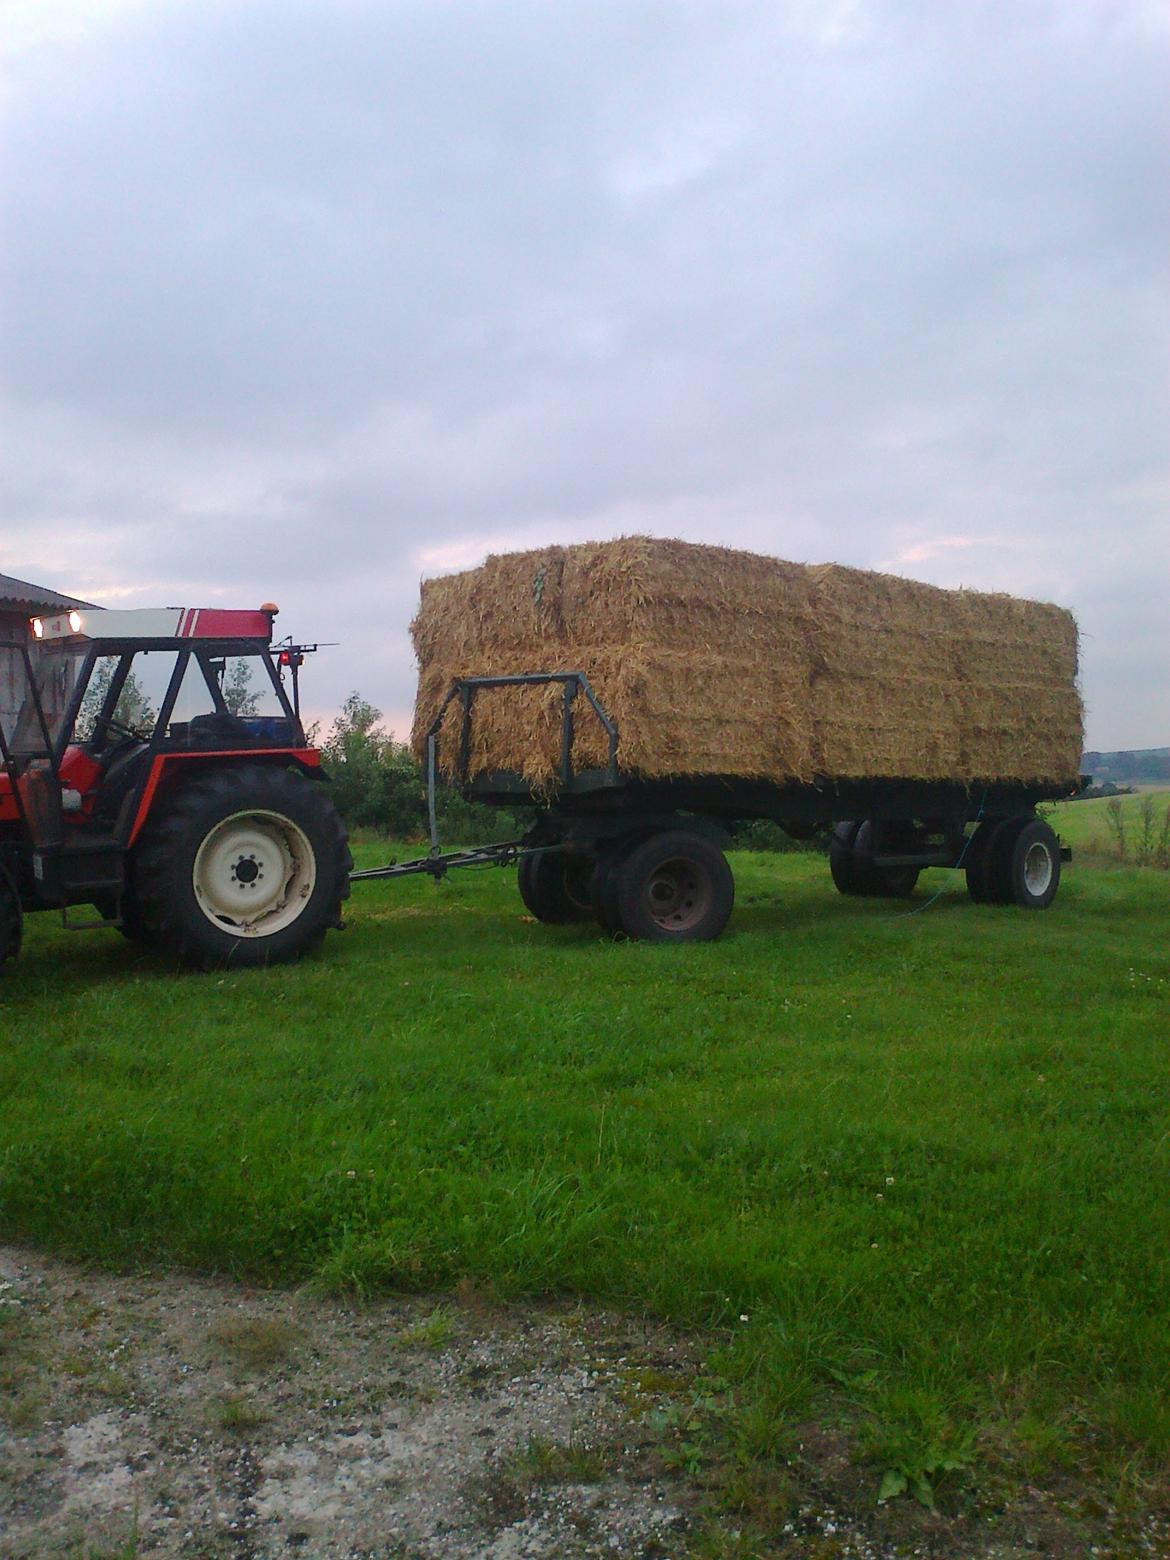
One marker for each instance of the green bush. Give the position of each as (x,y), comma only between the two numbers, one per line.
(378,785)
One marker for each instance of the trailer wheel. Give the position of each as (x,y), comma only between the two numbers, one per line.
(997,861)
(1028,865)
(673,887)
(130,923)
(247,864)
(11,919)
(879,882)
(603,887)
(977,862)
(842,862)
(851,864)
(556,887)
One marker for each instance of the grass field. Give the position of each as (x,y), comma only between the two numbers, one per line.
(909,1168)
(1086,825)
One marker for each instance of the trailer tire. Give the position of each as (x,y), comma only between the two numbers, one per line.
(673,887)
(129,921)
(603,887)
(132,926)
(1031,865)
(977,862)
(851,864)
(997,861)
(194,900)
(11,919)
(842,862)
(879,882)
(555,887)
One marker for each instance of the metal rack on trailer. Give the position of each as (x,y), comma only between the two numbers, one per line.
(645,857)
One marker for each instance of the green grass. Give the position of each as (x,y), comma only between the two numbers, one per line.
(1085,825)
(909,1165)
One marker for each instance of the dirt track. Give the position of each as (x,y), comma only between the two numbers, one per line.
(185,1417)
(194,1418)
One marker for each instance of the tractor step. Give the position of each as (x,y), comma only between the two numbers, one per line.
(65,873)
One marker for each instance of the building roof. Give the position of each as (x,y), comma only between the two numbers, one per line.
(19,595)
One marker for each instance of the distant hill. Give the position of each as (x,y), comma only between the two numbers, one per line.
(1141,764)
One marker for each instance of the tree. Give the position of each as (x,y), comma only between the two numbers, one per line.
(376,782)
(238,694)
(132,709)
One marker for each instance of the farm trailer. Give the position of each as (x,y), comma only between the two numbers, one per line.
(645,857)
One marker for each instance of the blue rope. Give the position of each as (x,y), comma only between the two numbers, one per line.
(918,909)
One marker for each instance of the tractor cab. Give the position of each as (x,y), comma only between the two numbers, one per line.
(124,712)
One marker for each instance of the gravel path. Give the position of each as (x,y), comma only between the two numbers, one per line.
(186,1417)
(181,1416)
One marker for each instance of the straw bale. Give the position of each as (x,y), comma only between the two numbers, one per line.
(679,596)
(713,661)
(1000,641)
(675,715)
(1026,732)
(866,726)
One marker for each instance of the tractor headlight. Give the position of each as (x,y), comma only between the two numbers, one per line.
(75,621)
(38,628)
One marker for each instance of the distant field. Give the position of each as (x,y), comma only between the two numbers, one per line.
(912,1166)
(1087,823)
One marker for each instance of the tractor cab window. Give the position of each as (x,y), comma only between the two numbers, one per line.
(56,669)
(104,718)
(248,691)
(220,702)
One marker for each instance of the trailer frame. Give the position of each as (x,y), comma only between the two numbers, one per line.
(597,818)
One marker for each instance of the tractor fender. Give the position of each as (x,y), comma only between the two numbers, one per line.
(166,769)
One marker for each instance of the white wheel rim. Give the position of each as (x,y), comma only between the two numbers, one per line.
(254,874)
(1037,869)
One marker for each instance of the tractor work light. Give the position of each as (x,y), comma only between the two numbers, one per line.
(38,628)
(75,621)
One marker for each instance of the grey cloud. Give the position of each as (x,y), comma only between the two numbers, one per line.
(295,298)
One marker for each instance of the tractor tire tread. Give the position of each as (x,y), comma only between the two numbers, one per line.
(161,916)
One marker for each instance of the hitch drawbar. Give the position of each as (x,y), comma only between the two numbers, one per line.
(438,863)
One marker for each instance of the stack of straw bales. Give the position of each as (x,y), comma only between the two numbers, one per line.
(717,662)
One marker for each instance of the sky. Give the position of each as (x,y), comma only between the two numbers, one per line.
(304,302)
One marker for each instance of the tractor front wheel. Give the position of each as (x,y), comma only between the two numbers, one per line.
(247,864)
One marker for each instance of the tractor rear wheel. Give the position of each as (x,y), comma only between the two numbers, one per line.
(246,864)
(555,886)
(10,918)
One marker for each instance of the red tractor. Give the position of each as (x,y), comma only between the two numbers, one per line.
(148,776)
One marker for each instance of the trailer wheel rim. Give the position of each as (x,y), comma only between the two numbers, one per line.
(1037,869)
(678,895)
(254,873)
